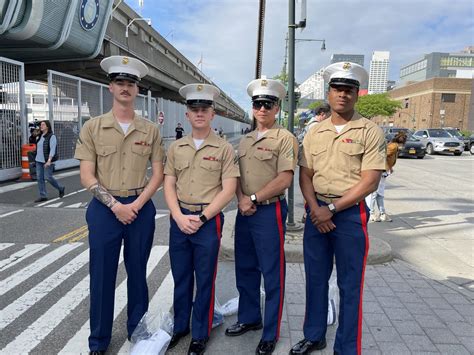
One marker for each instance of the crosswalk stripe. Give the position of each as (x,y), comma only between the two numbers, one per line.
(74,205)
(79,341)
(159,304)
(10,213)
(54,205)
(160,215)
(24,302)
(25,273)
(5,245)
(29,249)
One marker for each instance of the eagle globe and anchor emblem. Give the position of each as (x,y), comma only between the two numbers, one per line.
(89,13)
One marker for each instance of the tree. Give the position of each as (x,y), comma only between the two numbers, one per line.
(314,105)
(377,105)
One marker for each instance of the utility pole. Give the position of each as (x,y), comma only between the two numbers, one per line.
(258,64)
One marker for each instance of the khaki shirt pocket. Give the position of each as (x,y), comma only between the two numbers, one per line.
(265,165)
(141,155)
(181,166)
(211,173)
(106,155)
(318,157)
(352,155)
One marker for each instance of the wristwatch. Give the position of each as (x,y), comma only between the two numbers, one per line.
(202,217)
(253,198)
(332,208)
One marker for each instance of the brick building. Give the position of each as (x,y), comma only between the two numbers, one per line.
(433,103)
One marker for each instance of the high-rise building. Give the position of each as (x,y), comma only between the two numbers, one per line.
(313,87)
(440,65)
(353,58)
(378,75)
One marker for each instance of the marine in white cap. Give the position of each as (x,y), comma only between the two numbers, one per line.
(124,68)
(114,150)
(200,180)
(267,159)
(341,161)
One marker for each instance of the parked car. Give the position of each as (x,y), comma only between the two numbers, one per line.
(437,140)
(471,144)
(454,132)
(413,147)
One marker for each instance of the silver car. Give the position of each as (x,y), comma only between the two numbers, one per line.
(437,140)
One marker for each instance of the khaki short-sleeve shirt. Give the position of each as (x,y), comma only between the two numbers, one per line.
(121,159)
(337,159)
(261,160)
(199,173)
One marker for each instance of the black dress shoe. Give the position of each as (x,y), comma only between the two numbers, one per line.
(197,346)
(41,199)
(176,338)
(97,352)
(265,347)
(61,192)
(241,328)
(305,346)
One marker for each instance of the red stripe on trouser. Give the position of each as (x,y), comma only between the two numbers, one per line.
(363,217)
(282,266)
(211,307)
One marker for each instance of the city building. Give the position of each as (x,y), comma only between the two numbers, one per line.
(353,58)
(433,103)
(313,88)
(378,75)
(439,65)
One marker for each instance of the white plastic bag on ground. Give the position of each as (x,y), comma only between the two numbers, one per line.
(152,334)
(230,307)
(218,317)
(333,301)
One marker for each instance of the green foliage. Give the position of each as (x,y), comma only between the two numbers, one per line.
(466,133)
(314,105)
(377,105)
(283,77)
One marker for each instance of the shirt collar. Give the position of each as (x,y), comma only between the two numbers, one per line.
(211,140)
(354,122)
(271,133)
(137,124)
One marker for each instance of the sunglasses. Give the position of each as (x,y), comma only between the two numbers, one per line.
(268,105)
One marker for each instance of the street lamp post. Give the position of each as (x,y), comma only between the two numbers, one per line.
(148,20)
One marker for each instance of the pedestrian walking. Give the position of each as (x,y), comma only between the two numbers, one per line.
(179,131)
(267,159)
(200,180)
(377,197)
(341,162)
(46,155)
(114,150)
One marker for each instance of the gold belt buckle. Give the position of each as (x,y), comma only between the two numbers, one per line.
(124,193)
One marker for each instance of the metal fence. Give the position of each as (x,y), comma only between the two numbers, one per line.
(12,117)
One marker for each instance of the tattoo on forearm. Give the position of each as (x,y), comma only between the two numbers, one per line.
(102,195)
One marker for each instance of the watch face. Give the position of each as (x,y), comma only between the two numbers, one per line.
(89,13)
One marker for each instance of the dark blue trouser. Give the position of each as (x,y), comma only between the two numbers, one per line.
(349,243)
(105,240)
(195,255)
(259,249)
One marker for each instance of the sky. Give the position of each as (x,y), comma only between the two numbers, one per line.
(224,32)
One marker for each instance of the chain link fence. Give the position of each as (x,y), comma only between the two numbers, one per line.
(12,117)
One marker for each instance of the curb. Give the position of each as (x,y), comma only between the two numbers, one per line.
(379,252)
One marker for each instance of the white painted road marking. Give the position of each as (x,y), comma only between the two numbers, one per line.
(28,249)
(5,245)
(10,213)
(25,273)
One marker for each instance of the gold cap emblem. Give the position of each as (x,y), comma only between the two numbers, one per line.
(125,60)
(346,66)
(199,87)
(264,82)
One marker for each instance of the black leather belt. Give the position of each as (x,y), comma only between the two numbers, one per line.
(327,198)
(193,207)
(272,200)
(127,192)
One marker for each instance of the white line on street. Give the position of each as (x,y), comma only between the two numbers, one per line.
(25,273)
(57,198)
(5,246)
(22,185)
(160,215)
(79,341)
(10,213)
(74,205)
(24,302)
(15,258)
(160,304)
(54,205)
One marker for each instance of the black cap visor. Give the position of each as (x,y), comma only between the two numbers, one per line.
(199,103)
(344,82)
(265,98)
(124,76)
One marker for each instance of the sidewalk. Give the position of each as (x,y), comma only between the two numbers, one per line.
(405,312)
